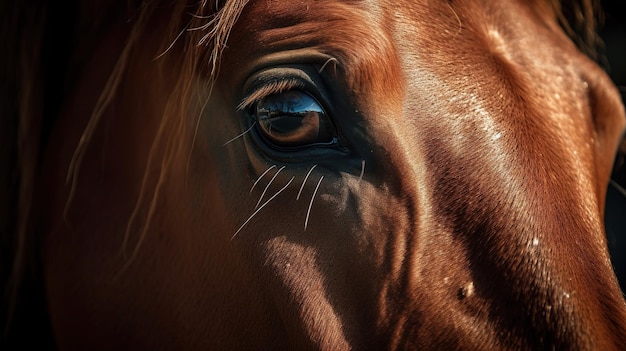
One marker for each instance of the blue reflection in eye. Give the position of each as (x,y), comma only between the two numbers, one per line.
(294,119)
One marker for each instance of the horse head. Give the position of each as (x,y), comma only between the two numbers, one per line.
(330,175)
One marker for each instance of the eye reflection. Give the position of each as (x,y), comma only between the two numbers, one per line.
(294,119)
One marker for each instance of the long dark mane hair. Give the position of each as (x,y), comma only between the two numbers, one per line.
(38,39)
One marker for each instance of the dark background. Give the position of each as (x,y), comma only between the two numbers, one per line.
(613,34)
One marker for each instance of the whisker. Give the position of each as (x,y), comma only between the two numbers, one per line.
(260,208)
(362,170)
(268,185)
(332,59)
(196,128)
(173,42)
(457,18)
(199,16)
(308,212)
(202,27)
(210,23)
(304,181)
(261,176)
(240,135)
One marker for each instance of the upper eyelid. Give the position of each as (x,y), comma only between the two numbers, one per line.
(275,86)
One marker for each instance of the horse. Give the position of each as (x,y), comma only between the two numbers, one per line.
(307,175)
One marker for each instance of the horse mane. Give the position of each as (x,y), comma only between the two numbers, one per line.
(28,107)
(580,20)
(20,121)
(29,103)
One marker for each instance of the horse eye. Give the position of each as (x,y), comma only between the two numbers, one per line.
(293,119)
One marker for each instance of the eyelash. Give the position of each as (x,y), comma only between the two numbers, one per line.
(264,90)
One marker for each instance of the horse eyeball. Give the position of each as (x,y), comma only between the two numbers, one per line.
(293,119)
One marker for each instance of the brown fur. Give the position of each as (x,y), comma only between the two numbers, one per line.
(105,196)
